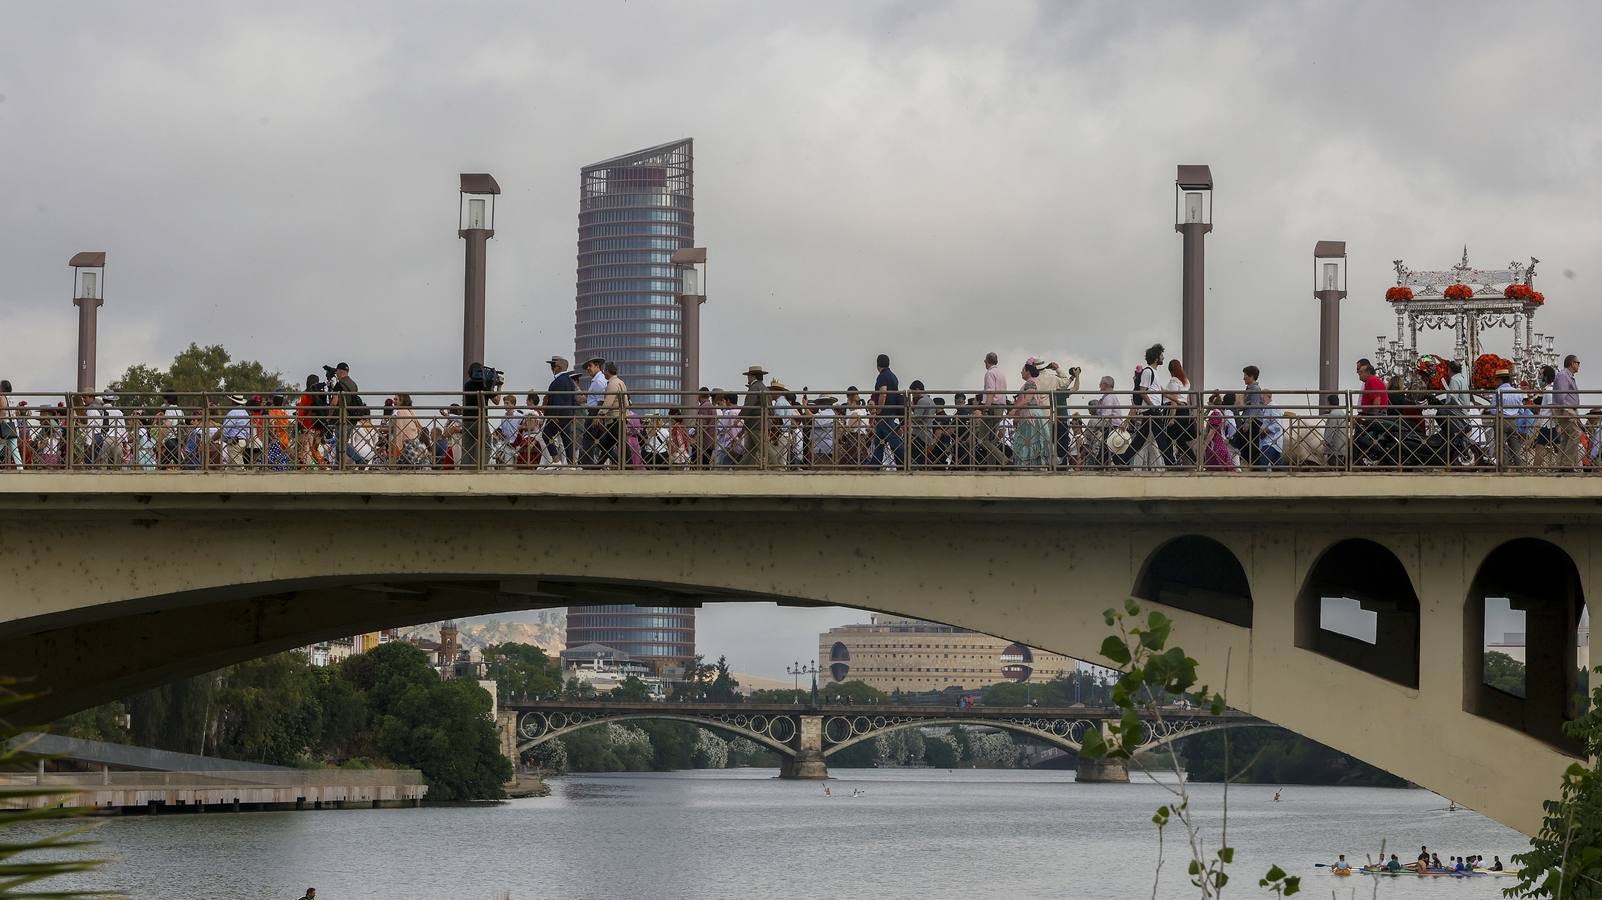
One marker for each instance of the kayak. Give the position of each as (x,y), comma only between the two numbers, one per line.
(1380,870)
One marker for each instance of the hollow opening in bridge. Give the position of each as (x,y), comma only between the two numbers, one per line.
(1357,606)
(1199,575)
(1526,641)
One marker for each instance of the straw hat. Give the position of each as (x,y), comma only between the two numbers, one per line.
(1117,442)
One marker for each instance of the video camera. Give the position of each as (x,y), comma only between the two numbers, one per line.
(484,378)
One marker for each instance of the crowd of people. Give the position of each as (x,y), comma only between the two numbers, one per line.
(1428,863)
(586,417)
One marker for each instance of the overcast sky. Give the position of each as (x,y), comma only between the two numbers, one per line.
(932,180)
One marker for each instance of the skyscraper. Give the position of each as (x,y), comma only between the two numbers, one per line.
(661,636)
(634,211)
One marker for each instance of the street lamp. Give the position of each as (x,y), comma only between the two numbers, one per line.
(1193,218)
(475,223)
(1329,286)
(810,668)
(690,265)
(88,286)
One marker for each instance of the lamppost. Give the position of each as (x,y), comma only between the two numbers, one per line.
(810,668)
(88,284)
(475,222)
(1193,218)
(1329,286)
(691,265)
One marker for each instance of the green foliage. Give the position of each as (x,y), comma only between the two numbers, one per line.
(782,695)
(1148,671)
(940,754)
(21,869)
(194,370)
(387,706)
(1564,861)
(852,691)
(863,755)
(959,737)
(723,687)
(522,670)
(1504,673)
(632,690)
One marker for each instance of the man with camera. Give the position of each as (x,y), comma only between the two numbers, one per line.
(345,408)
(479,392)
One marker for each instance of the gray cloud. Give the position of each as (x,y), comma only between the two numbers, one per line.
(931,180)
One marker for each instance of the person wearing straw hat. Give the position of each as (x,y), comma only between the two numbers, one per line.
(235,431)
(756,414)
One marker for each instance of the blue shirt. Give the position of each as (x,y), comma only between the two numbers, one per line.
(892,404)
(236,425)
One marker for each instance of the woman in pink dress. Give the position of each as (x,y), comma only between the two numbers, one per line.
(1217,444)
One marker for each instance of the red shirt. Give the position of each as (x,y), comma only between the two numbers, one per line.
(1374,393)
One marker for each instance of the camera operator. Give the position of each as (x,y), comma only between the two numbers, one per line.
(345,408)
(479,392)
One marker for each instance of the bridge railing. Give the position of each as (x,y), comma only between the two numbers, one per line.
(1031,432)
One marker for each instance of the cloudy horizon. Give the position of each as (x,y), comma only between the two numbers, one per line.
(930,180)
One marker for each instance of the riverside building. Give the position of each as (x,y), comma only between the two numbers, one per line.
(892,653)
(661,638)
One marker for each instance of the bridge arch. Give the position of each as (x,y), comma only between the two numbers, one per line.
(725,724)
(1067,737)
(1369,581)
(1541,580)
(1199,574)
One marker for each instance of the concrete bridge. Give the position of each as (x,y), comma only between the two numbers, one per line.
(120,581)
(805,737)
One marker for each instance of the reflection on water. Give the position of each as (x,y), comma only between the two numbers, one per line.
(742,833)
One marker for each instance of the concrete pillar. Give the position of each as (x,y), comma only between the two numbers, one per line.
(1102,771)
(808,761)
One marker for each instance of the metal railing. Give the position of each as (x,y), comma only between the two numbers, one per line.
(811,431)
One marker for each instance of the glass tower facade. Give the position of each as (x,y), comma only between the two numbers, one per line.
(660,636)
(634,211)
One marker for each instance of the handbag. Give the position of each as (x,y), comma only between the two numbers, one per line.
(8,430)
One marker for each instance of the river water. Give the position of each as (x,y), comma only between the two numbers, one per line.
(920,833)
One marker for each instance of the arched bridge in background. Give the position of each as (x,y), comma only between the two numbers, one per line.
(121,581)
(804,737)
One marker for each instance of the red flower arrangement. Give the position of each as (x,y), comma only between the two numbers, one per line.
(1398,293)
(1517,291)
(1485,369)
(1458,292)
(1538,298)
(1433,372)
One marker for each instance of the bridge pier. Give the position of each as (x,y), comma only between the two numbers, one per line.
(1101,771)
(808,760)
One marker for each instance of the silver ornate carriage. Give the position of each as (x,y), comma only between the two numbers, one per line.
(1488,298)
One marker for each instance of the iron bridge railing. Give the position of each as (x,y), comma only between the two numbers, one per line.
(808,431)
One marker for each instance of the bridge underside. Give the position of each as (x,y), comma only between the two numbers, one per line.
(122,582)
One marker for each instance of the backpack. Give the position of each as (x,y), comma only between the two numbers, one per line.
(1136,398)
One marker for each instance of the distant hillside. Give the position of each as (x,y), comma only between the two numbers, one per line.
(478,633)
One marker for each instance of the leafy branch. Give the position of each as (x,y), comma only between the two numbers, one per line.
(1564,861)
(1150,669)
(23,807)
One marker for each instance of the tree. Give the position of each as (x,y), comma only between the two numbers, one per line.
(522,670)
(1504,673)
(269,710)
(1564,861)
(697,672)
(194,370)
(723,685)
(440,726)
(854,691)
(632,690)
(941,753)
(1277,756)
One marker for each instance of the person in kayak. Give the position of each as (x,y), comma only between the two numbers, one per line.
(1342,867)
(1459,865)
(1395,865)
(1496,864)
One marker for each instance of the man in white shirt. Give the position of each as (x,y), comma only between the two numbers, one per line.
(1509,406)
(114,444)
(823,422)
(995,383)
(506,433)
